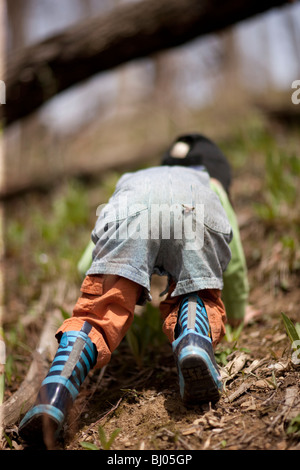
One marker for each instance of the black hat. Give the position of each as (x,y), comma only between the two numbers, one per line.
(201,151)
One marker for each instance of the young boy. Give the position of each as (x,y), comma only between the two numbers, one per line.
(174,220)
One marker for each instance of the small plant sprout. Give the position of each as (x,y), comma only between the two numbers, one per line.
(106,443)
(293,332)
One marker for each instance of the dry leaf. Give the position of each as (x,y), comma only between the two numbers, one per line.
(291,410)
(206,444)
(191,430)
(249,405)
(234,366)
(262,383)
(279,366)
(254,365)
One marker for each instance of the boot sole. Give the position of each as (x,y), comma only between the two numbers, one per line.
(199,382)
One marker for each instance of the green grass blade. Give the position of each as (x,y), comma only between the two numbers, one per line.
(89,446)
(2,370)
(290,328)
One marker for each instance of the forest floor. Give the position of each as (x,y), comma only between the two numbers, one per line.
(134,404)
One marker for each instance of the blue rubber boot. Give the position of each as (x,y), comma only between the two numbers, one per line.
(199,378)
(75,357)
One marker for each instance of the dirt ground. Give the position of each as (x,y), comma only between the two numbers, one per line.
(261,392)
(139,408)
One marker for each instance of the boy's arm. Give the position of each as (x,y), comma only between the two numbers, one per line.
(236,289)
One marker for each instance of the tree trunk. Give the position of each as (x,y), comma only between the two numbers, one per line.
(130,31)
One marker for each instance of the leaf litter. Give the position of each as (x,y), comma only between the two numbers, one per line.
(261,384)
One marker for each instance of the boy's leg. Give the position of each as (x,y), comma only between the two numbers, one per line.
(107,303)
(216,313)
(195,324)
(169,309)
(101,317)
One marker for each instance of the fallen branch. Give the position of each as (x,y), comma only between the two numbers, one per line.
(240,390)
(20,402)
(39,72)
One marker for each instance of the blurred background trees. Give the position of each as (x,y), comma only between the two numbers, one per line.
(130,113)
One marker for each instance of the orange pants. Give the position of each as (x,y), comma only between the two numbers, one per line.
(108,302)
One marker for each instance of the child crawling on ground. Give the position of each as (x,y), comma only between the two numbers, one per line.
(175,220)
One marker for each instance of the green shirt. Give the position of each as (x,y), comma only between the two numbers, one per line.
(236,289)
